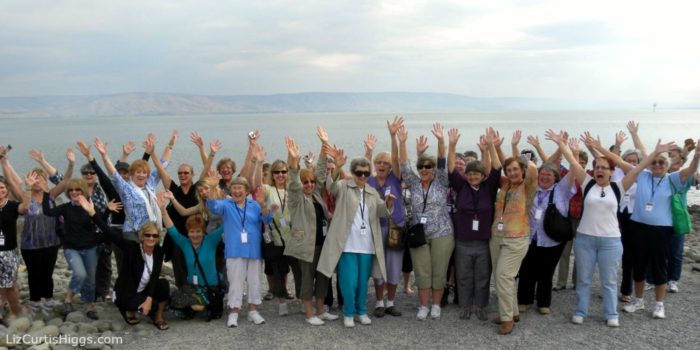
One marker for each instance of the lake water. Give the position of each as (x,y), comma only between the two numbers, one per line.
(347,130)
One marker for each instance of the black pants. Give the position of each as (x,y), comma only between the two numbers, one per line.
(40,265)
(407,266)
(161,294)
(627,231)
(652,247)
(536,274)
(103,274)
(179,266)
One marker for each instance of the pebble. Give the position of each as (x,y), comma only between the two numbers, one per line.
(20,324)
(86,328)
(61,347)
(43,346)
(68,328)
(696,267)
(55,321)
(75,317)
(38,324)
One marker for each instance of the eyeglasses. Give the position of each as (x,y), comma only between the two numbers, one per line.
(277,172)
(381,162)
(151,235)
(601,168)
(658,162)
(360,173)
(75,190)
(88,173)
(309,182)
(183,172)
(424,166)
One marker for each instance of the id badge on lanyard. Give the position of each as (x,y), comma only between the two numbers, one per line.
(244,236)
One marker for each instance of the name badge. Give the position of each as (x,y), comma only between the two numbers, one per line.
(325,230)
(283,222)
(387,191)
(451,208)
(244,236)
(626,198)
(500,226)
(195,280)
(363,230)
(475,225)
(649,206)
(423,220)
(538,214)
(2,241)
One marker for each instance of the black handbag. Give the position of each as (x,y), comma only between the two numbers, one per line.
(416,233)
(214,296)
(558,227)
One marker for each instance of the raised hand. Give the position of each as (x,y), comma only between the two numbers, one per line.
(620,138)
(453,136)
(438,131)
(173,138)
(555,137)
(632,127)
(327,149)
(31,179)
(149,145)
(395,125)
(168,194)
(483,144)
(83,148)
(260,197)
(339,156)
(322,134)
(259,152)
(253,139)
(114,206)
(129,148)
(402,134)
(215,146)
(534,141)
(37,155)
(4,150)
(292,148)
(517,135)
(422,144)
(196,139)
(370,142)
(100,146)
(496,137)
(161,200)
(70,155)
(574,145)
(664,147)
(87,205)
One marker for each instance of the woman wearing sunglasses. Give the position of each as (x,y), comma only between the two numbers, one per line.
(310,219)
(429,189)
(354,240)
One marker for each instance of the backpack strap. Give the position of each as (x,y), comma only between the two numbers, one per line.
(618,193)
(590,184)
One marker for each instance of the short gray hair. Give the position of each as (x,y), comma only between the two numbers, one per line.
(634,151)
(553,168)
(360,161)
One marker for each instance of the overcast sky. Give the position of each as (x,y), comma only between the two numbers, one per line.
(595,50)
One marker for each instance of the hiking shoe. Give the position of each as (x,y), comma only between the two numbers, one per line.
(544,311)
(659,311)
(634,305)
(435,312)
(379,312)
(315,321)
(673,286)
(393,311)
(348,322)
(422,313)
(326,316)
(232,320)
(613,322)
(363,319)
(576,319)
(254,316)
(482,315)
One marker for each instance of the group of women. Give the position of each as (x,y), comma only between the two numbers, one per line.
(315,220)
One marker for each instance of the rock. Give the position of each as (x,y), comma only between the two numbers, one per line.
(21,324)
(103,325)
(36,325)
(92,344)
(68,328)
(49,331)
(696,267)
(55,321)
(118,326)
(44,346)
(62,347)
(86,328)
(695,255)
(75,317)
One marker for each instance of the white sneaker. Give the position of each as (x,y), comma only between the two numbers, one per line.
(659,311)
(283,310)
(673,286)
(348,322)
(435,312)
(363,319)
(422,313)
(315,321)
(326,316)
(613,322)
(648,286)
(634,305)
(576,319)
(51,303)
(232,320)
(254,316)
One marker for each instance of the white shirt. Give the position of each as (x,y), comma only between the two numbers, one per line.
(146,276)
(600,213)
(627,200)
(357,242)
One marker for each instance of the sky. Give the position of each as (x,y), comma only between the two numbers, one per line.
(586,50)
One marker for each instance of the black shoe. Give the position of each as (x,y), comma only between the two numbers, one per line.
(393,311)
(92,315)
(379,311)
(445,295)
(482,315)
(465,315)
(67,308)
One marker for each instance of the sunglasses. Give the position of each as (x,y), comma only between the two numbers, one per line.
(183,172)
(309,182)
(424,166)
(151,235)
(74,190)
(277,172)
(88,173)
(360,173)
(658,162)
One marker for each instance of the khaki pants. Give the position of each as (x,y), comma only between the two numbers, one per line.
(430,262)
(506,256)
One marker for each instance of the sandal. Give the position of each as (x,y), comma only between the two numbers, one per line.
(132,320)
(161,325)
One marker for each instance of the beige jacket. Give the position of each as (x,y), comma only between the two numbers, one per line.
(301,241)
(347,199)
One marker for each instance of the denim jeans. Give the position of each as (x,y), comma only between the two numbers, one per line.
(606,252)
(83,263)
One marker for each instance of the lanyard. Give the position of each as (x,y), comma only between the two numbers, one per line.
(283,200)
(362,206)
(242,215)
(475,199)
(653,191)
(425,195)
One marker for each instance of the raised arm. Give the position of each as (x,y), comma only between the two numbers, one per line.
(596,145)
(453,136)
(631,176)
(492,138)
(102,149)
(402,135)
(149,146)
(517,135)
(633,128)
(58,189)
(535,142)
(10,174)
(257,159)
(31,179)
(340,158)
(575,167)
(421,145)
(168,151)
(248,165)
(293,154)
(393,129)
(162,204)
(214,148)
(199,142)
(484,145)
(369,143)
(440,136)
(320,171)
(38,156)
(184,212)
(692,168)
(497,142)
(620,138)
(127,149)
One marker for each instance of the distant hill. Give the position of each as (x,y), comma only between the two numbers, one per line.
(180,104)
